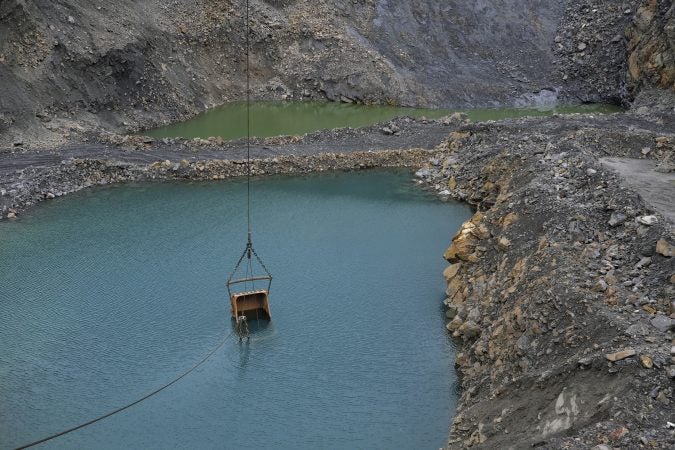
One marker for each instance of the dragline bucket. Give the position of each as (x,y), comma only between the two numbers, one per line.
(249,301)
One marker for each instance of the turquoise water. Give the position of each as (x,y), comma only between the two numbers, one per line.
(109,293)
(276,118)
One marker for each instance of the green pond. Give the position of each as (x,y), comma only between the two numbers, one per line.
(289,118)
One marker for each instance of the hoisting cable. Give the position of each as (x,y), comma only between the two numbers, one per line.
(145,397)
(248,123)
(249,251)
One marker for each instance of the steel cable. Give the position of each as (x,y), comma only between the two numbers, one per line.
(129,405)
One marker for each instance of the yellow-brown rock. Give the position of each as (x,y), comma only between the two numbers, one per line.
(633,66)
(451,271)
(623,354)
(453,287)
(651,59)
(503,243)
(508,219)
(456,138)
(481,231)
(454,324)
(452,183)
(664,248)
(518,270)
(465,241)
(469,329)
(662,141)
(647,361)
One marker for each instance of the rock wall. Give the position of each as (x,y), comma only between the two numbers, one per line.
(651,46)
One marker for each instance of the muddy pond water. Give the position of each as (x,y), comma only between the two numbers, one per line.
(109,293)
(296,118)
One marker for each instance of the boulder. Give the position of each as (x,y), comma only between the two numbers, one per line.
(451,312)
(648,220)
(647,361)
(623,354)
(503,243)
(664,248)
(451,271)
(454,324)
(454,286)
(465,241)
(662,323)
(470,329)
(617,219)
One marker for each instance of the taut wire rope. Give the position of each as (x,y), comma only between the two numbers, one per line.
(135,402)
(248,121)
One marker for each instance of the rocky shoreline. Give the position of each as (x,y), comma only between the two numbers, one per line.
(561,287)
(28,177)
(36,184)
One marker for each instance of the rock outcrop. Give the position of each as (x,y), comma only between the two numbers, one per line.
(651,46)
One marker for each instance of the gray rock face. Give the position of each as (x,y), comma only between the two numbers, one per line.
(461,52)
(591,53)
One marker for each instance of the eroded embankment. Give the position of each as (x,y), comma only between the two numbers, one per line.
(560,287)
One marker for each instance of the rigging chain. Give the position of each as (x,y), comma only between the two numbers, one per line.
(248,251)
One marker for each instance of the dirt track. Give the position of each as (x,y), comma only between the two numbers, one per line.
(657,188)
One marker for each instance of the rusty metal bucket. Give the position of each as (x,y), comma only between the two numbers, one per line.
(253,304)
